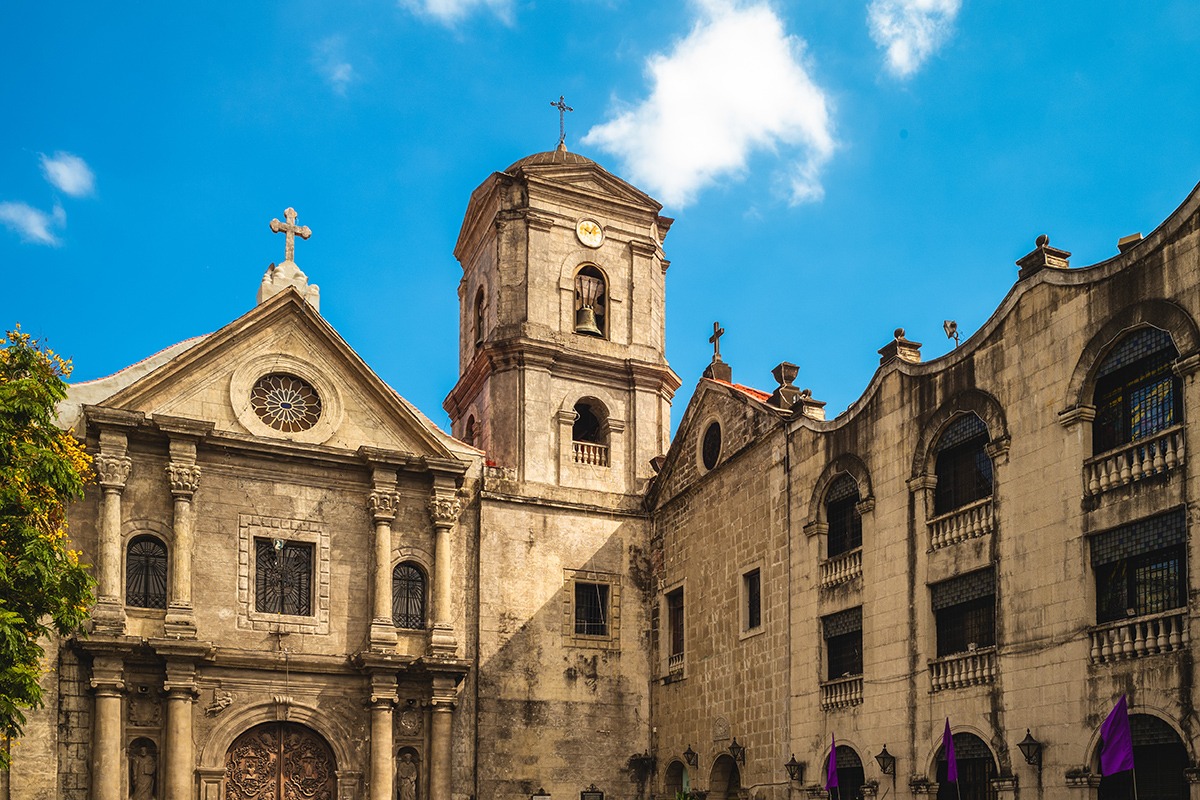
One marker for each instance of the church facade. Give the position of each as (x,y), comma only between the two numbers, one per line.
(305,589)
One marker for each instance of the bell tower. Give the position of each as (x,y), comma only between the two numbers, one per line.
(562,371)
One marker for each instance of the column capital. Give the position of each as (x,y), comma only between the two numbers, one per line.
(113,471)
(184,479)
(181,680)
(383,504)
(107,678)
(444,508)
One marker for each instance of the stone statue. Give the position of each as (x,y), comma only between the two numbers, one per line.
(406,778)
(145,769)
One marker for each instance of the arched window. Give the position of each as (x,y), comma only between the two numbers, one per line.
(976,768)
(408,596)
(849,772)
(963,468)
(676,779)
(591,302)
(841,512)
(589,434)
(479,324)
(146,573)
(1137,391)
(469,431)
(1159,758)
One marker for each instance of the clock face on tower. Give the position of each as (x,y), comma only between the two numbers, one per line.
(589,232)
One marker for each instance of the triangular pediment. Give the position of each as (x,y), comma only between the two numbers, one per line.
(213,382)
(590,179)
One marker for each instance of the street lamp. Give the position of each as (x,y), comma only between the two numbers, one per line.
(1031,748)
(795,769)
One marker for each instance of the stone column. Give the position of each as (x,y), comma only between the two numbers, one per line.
(184,477)
(108,760)
(444,697)
(383,698)
(180,688)
(113,467)
(444,508)
(383,502)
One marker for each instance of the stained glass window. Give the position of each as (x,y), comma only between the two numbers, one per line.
(1137,392)
(283,577)
(841,511)
(146,573)
(963,469)
(286,403)
(1141,568)
(408,596)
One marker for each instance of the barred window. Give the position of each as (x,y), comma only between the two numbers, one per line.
(841,512)
(283,577)
(1137,391)
(843,643)
(675,622)
(1141,568)
(976,769)
(963,468)
(591,609)
(965,611)
(752,599)
(849,771)
(408,596)
(146,573)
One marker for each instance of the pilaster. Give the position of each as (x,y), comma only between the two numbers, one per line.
(383,503)
(183,475)
(383,700)
(113,467)
(444,508)
(108,767)
(181,693)
(445,697)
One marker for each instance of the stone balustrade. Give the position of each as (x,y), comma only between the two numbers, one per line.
(675,665)
(595,455)
(971,668)
(964,523)
(841,568)
(1141,459)
(842,692)
(1142,636)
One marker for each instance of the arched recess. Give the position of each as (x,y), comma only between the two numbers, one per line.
(845,464)
(675,779)
(975,401)
(217,743)
(1161,314)
(410,774)
(278,758)
(724,780)
(1161,753)
(850,773)
(479,316)
(977,766)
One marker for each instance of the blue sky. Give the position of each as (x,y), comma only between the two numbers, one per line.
(836,168)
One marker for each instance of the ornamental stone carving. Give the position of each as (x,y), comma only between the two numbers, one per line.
(184,479)
(444,509)
(113,471)
(383,504)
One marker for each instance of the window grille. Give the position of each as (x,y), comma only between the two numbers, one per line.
(1141,568)
(963,468)
(965,609)
(841,512)
(1161,760)
(752,584)
(591,609)
(976,769)
(675,622)
(843,643)
(1137,392)
(408,596)
(283,578)
(146,573)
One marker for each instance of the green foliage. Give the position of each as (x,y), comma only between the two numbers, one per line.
(43,587)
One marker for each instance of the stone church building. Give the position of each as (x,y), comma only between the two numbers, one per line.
(306,590)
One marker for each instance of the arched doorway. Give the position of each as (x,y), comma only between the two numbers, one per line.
(280,759)
(676,779)
(849,772)
(976,769)
(725,781)
(1159,759)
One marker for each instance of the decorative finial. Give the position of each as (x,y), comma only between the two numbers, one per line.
(899,334)
(286,274)
(563,108)
(292,231)
(1042,240)
(718,369)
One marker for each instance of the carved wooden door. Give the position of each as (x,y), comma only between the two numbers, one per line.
(280,761)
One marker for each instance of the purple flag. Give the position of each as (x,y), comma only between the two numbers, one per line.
(948,751)
(831,773)
(1116,741)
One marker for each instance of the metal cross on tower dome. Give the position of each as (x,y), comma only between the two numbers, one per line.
(563,108)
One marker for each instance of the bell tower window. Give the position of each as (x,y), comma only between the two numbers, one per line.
(479,329)
(591,302)
(589,434)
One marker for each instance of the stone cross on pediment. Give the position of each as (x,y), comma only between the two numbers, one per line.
(292,230)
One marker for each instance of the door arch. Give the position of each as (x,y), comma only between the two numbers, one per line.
(280,759)
(725,781)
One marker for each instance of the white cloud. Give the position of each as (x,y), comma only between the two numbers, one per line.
(735,85)
(332,65)
(69,173)
(32,224)
(910,30)
(449,12)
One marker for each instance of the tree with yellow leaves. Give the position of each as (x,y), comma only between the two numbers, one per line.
(43,587)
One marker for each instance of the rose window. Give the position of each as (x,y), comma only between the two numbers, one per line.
(286,403)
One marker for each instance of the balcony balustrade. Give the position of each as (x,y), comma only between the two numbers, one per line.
(1157,455)
(961,524)
(842,692)
(971,668)
(841,568)
(595,455)
(1139,637)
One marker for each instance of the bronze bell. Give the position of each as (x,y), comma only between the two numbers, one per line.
(585,322)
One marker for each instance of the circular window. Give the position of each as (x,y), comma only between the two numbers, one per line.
(286,403)
(710,447)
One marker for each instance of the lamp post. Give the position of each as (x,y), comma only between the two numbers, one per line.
(1031,748)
